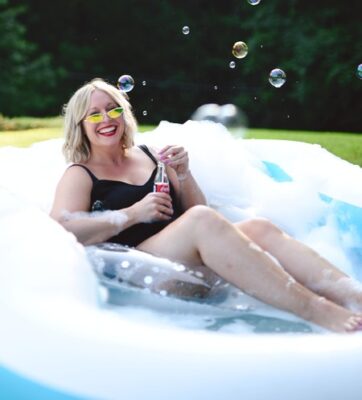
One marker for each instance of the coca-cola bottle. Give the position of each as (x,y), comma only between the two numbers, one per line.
(161,182)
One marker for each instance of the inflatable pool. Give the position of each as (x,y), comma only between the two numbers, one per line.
(72,328)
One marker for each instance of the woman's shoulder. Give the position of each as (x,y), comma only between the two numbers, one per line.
(78,171)
(148,149)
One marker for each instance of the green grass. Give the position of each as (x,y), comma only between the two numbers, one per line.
(51,130)
(345,145)
(24,123)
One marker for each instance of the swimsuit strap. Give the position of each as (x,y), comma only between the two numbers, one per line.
(143,147)
(90,173)
(146,150)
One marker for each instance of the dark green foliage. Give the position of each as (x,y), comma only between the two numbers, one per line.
(317,43)
(27,77)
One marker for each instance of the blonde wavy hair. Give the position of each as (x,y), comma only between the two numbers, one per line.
(76,147)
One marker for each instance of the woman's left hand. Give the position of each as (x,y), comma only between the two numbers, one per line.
(176,157)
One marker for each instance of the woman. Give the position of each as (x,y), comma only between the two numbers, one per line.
(110,173)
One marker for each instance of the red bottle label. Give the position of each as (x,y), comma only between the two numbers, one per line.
(161,187)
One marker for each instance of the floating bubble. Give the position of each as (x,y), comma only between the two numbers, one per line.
(232,64)
(228,115)
(240,50)
(277,77)
(186,30)
(144,83)
(359,71)
(254,2)
(144,113)
(148,280)
(125,83)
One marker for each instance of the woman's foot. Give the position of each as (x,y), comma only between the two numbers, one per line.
(334,317)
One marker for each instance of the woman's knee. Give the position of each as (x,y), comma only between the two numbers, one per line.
(203,216)
(259,229)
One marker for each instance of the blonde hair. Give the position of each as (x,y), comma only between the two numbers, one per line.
(76,147)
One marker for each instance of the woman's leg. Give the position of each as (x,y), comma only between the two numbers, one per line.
(201,236)
(304,264)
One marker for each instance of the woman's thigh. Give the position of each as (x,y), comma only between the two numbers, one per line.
(175,242)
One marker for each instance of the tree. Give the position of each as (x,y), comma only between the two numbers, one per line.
(27,79)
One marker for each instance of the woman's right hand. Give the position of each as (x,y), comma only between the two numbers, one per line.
(153,207)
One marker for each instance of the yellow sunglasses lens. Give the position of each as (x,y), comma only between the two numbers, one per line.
(97,118)
(115,113)
(94,118)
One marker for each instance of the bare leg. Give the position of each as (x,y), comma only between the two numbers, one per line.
(304,264)
(201,236)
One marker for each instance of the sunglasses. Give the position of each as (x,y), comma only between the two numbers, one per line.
(99,117)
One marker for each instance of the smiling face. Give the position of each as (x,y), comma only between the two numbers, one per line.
(108,132)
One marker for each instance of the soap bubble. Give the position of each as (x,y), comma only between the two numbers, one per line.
(240,50)
(277,77)
(228,115)
(254,2)
(125,83)
(232,64)
(359,71)
(185,30)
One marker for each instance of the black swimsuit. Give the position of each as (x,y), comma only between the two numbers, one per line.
(114,195)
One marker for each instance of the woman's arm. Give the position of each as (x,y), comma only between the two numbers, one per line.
(72,202)
(186,187)
(70,206)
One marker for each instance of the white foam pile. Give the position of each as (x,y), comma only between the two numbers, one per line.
(37,253)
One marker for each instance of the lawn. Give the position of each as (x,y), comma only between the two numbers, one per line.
(22,132)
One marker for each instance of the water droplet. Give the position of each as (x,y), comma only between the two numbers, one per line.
(215,87)
(179,267)
(185,30)
(156,269)
(242,307)
(148,280)
(288,116)
(125,83)
(199,274)
(144,83)
(359,71)
(277,77)
(254,2)
(255,98)
(240,50)
(163,292)
(144,113)
(232,64)
(261,46)
(125,264)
